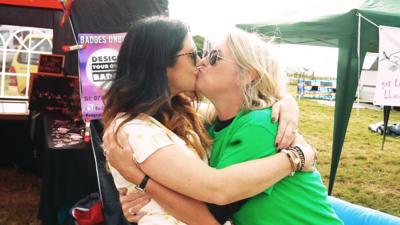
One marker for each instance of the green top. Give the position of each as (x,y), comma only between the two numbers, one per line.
(298,199)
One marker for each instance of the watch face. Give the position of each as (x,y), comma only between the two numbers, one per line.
(139,189)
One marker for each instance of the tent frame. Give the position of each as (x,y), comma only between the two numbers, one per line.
(342,31)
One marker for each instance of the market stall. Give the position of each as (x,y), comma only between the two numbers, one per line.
(40,99)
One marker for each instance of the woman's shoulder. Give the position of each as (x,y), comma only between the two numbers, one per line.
(140,122)
(256,117)
(141,119)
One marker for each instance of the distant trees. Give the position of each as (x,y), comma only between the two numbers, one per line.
(305,73)
(199,41)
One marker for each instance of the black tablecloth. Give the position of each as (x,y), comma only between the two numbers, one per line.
(16,147)
(68,175)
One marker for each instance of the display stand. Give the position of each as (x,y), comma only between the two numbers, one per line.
(67,163)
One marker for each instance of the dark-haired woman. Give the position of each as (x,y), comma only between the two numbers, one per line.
(149,111)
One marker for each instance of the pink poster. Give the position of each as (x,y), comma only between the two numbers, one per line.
(97,68)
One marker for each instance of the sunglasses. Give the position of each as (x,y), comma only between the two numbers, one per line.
(193,55)
(213,56)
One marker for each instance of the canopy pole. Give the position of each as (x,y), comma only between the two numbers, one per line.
(358,63)
(386,109)
(359,54)
(368,20)
(72,29)
(386,113)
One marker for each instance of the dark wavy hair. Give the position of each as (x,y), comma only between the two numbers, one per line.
(141,83)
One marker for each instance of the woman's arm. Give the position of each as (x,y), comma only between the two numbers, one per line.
(168,198)
(286,111)
(192,177)
(185,209)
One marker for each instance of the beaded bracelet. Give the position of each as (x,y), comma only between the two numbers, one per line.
(296,158)
(300,155)
(292,159)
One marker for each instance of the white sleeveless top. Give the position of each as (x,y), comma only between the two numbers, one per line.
(145,136)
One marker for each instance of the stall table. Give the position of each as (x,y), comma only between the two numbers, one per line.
(68,174)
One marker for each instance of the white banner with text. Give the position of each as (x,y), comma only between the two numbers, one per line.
(387,90)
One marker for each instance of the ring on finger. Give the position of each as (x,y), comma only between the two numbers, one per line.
(130,211)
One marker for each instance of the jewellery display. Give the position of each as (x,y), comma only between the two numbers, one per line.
(64,133)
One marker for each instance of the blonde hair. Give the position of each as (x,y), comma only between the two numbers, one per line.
(254,57)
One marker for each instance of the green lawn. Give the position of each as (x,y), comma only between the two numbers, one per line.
(366,175)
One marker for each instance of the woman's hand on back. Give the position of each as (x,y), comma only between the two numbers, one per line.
(132,203)
(121,156)
(286,111)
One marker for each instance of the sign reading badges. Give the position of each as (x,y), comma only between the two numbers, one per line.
(97,67)
(102,66)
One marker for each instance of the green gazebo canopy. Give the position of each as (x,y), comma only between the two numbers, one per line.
(339,30)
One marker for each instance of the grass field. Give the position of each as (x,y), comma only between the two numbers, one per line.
(366,175)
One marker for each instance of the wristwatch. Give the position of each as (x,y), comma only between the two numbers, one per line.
(142,185)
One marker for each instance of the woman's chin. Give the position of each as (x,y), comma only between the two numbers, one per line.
(200,90)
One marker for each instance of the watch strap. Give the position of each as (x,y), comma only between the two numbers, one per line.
(142,185)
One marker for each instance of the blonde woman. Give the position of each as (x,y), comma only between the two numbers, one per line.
(241,78)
